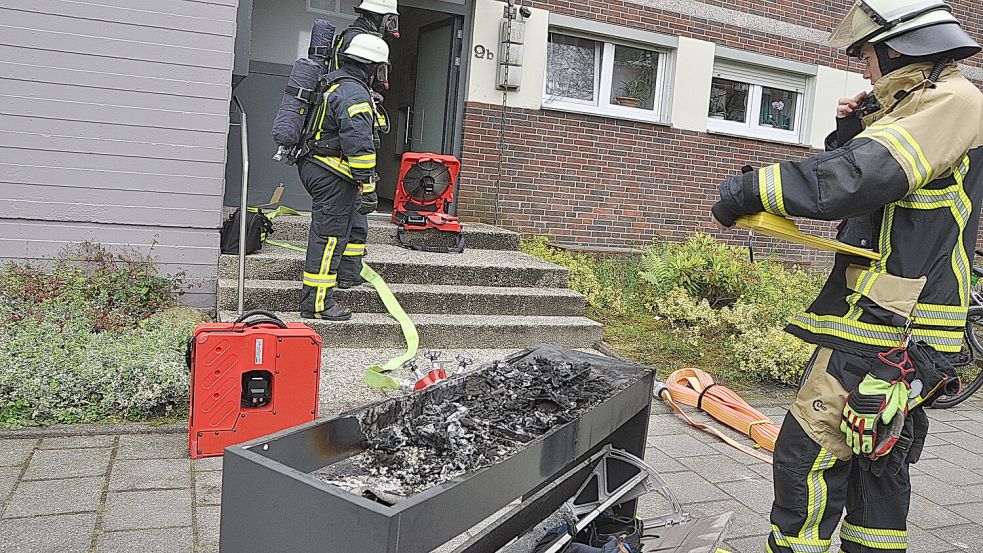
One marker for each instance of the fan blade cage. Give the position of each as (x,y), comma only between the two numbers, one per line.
(427,181)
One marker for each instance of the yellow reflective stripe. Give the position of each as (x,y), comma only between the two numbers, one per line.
(366,161)
(875,335)
(906,146)
(961,262)
(368,187)
(940,315)
(355,109)
(954,198)
(317,281)
(770,189)
(874,538)
(918,149)
(817,495)
(354,250)
(381,120)
(337,164)
(324,110)
(862,287)
(323,271)
(798,544)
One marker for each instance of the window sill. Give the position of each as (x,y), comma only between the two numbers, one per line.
(772,140)
(642,117)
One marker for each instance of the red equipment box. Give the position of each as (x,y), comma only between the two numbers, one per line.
(425,192)
(250,378)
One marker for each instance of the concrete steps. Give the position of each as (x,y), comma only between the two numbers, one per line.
(477,236)
(490,297)
(452,331)
(400,265)
(415,298)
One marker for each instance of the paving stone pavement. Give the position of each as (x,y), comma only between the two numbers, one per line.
(101,491)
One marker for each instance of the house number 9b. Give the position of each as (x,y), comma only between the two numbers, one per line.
(483,53)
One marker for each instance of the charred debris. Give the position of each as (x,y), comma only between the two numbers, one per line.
(466,424)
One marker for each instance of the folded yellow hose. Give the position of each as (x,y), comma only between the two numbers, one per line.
(686,386)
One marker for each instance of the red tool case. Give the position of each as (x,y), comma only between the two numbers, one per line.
(250,378)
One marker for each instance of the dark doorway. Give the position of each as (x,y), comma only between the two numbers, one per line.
(423,102)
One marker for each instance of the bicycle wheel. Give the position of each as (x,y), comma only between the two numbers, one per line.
(970,371)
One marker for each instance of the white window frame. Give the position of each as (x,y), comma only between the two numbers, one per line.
(603,77)
(757,78)
(334,14)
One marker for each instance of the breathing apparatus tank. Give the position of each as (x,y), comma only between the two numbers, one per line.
(301,93)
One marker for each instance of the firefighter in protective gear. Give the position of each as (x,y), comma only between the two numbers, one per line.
(340,171)
(379,18)
(904,173)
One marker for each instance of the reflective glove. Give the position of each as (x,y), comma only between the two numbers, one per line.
(872,408)
(368,203)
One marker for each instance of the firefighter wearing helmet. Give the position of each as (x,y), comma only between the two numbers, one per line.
(340,172)
(904,173)
(379,18)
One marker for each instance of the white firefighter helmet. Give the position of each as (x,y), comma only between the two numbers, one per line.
(368,48)
(381,7)
(912,27)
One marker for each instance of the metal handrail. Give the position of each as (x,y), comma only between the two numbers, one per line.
(243,133)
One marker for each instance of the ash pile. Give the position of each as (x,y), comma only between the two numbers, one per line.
(470,424)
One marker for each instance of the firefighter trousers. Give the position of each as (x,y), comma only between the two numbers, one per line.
(334,201)
(812,488)
(351,259)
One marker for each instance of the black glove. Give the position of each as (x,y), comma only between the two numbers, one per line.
(724,214)
(368,202)
(733,201)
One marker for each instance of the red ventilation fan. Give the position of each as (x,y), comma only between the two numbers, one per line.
(424,195)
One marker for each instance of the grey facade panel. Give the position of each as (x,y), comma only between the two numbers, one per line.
(70,204)
(53,62)
(114,116)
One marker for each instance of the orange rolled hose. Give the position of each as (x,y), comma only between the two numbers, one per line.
(685,387)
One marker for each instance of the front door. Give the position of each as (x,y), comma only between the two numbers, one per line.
(431,101)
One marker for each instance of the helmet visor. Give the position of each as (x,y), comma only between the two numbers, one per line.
(382,74)
(390,24)
(856,26)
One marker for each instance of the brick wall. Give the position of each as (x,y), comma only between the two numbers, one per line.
(814,14)
(609,182)
(600,181)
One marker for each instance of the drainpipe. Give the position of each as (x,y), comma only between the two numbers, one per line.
(242,201)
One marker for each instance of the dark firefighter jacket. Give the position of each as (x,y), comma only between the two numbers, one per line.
(908,186)
(344,128)
(359,26)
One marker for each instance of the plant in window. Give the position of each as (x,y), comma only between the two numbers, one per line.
(637,90)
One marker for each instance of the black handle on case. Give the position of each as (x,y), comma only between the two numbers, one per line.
(266,320)
(254,312)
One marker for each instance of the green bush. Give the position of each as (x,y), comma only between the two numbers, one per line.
(612,285)
(710,302)
(705,268)
(752,323)
(94,338)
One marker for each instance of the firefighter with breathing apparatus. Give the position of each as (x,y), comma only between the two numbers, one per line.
(339,171)
(379,18)
(904,173)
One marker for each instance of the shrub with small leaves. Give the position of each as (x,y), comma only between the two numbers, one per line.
(91,340)
(701,265)
(612,284)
